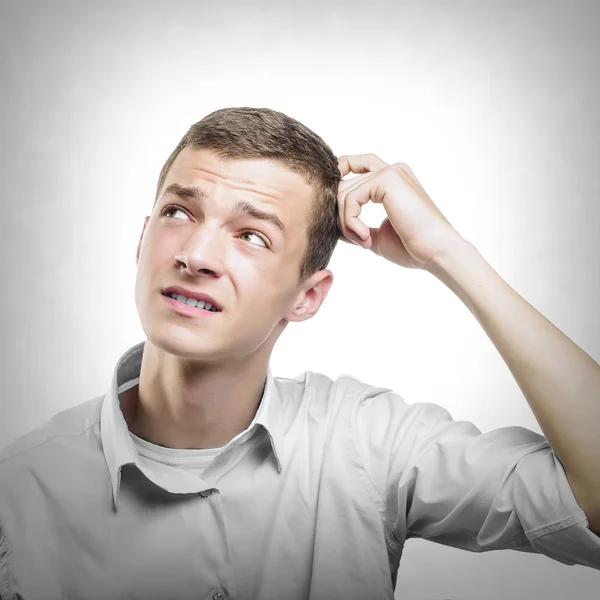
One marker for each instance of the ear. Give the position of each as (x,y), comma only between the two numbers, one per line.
(137,254)
(312,297)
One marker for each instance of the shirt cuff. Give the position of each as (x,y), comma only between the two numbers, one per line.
(568,538)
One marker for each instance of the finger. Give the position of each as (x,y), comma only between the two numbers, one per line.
(362,244)
(347,235)
(353,202)
(360,163)
(347,184)
(343,238)
(341,200)
(352,184)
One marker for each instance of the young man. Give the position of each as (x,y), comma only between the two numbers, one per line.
(201,475)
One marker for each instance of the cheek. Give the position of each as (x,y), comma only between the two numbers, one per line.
(157,248)
(255,285)
(274,291)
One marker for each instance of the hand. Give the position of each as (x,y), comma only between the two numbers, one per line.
(413,232)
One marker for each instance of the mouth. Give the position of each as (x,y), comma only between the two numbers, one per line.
(191,301)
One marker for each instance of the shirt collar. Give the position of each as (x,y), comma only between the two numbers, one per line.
(118,446)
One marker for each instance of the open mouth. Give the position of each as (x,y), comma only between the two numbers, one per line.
(192,302)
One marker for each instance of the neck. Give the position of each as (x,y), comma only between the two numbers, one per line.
(182,404)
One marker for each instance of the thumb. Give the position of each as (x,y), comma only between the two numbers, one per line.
(343,238)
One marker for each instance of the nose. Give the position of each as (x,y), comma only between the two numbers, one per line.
(203,252)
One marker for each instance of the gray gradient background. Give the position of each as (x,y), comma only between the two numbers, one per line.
(493,104)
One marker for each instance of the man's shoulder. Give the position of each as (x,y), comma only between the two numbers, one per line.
(371,406)
(312,386)
(338,392)
(69,423)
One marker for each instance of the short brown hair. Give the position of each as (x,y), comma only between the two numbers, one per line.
(264,133)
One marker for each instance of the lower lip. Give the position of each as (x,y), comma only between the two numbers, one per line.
(186,309)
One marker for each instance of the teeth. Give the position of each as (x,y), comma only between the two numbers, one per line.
(193,302)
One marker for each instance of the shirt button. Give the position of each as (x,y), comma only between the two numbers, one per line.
(218,595)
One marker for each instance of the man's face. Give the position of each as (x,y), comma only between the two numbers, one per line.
(246,264)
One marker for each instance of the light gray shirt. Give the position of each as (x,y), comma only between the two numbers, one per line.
(314,500)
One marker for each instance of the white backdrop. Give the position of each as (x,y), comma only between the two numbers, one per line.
(494,105)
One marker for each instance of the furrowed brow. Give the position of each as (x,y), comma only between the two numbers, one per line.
(245,207)
(196,194)
(188,193)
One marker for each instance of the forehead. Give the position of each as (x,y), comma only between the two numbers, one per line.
(266,180)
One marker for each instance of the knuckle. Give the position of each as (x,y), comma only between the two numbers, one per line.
(375,161)
(397,171)
(393,171)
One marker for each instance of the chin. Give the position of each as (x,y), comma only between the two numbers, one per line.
(180,342)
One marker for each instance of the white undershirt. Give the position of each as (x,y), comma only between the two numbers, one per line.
(193,460)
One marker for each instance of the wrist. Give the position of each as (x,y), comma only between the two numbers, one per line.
(453,254)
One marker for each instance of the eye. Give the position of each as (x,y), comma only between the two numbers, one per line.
(169,209)
(255,234)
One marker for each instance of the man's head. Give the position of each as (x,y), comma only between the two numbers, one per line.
(265,133)
(250,160)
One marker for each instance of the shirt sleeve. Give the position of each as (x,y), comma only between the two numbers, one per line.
(445,481)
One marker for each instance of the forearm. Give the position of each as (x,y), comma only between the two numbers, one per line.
(559,380)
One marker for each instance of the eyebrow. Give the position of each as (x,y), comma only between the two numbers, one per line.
(198,195)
